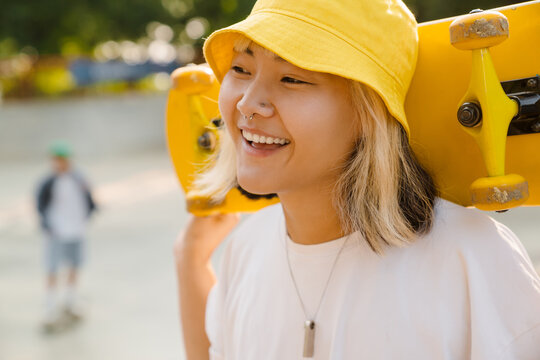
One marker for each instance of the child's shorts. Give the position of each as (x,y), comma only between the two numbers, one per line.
(58,252)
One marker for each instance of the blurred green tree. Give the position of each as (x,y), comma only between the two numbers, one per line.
(48,26)
(63,26)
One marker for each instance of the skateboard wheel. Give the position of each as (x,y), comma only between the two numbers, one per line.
(192,80)
(499,192)
(207,141)
(479,30)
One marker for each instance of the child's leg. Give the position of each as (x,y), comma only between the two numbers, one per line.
(52,261)
(51,284)
(71,286)
(74,253)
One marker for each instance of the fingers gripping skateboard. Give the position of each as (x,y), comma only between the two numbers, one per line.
(486,111)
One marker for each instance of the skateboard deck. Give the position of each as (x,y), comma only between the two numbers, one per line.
(450,75)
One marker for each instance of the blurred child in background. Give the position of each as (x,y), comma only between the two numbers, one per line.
(64,203)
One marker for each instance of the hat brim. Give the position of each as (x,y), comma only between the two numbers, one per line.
(307,46)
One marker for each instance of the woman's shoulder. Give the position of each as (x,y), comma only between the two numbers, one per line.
(450,214)
(475,237)
(467,226)
(503,286)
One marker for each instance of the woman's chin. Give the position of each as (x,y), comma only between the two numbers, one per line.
(255,186)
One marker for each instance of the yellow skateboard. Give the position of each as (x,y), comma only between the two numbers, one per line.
(479,139)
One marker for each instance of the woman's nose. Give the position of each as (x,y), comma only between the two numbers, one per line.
(256,100)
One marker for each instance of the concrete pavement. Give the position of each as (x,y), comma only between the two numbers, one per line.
(128,288)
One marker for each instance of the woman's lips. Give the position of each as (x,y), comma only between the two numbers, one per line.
(257,147)
(265,146)
(256,138)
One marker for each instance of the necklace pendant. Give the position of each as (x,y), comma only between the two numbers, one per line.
(309,338)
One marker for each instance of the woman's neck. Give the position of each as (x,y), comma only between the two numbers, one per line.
(310,216)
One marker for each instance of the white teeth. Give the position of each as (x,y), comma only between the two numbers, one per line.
(263,139)
(247,135)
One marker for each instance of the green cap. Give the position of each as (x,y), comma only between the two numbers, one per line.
(60,149)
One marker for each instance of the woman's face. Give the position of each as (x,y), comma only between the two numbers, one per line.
(292,128)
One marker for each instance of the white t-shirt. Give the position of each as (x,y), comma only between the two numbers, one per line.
(467,290)
(68,211)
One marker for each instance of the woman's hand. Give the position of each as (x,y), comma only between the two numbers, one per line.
(202,235)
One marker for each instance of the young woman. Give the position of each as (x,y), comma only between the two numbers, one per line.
(360,260)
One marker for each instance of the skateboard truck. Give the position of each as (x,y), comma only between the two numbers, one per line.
(527,93)
(486,110)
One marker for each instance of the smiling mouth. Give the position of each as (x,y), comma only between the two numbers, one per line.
(264,142)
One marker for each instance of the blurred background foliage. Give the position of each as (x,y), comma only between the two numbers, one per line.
(40,40)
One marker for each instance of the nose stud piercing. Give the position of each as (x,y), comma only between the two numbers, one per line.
(251,116)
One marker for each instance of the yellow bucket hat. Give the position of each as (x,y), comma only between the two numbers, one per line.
(371,41)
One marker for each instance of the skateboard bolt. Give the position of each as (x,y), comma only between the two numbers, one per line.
(532,83)
(207,141)
(469,114)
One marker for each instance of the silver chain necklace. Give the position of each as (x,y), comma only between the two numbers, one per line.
(309,325)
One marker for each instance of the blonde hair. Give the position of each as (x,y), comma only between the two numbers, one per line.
(383,192)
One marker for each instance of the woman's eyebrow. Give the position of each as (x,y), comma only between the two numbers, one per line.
(249,52)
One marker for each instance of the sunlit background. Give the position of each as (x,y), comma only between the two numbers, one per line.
(96,74)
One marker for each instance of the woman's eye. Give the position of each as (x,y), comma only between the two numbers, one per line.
(290,80)
(239,70)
